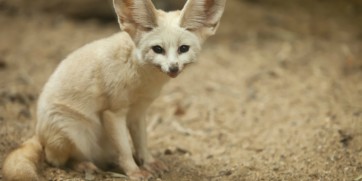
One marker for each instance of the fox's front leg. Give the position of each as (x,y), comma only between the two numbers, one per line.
(117,133)
(137,127)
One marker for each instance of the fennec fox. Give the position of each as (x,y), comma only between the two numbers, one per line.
(95,101)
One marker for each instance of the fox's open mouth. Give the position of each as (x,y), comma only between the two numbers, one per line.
(170,74)
(173,75)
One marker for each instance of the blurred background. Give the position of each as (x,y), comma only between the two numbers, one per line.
(276,93)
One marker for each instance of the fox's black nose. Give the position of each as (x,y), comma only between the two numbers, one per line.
(174,69)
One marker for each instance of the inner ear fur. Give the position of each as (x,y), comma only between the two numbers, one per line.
(134,15)
(198,14)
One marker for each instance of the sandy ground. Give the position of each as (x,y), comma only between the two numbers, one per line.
(276,94)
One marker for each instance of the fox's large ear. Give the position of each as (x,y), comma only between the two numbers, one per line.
(135,15)
(202,15)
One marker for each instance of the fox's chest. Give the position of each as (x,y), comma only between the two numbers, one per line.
(138,92)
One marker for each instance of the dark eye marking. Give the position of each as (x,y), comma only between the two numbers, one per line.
(158,49)
(183,49)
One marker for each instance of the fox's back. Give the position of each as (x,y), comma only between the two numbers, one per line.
(79,80)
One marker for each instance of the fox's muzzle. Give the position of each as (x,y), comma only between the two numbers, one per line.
(173,71)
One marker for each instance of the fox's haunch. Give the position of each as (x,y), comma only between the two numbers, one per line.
(21,164)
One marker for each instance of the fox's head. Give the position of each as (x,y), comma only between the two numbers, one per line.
(169,40)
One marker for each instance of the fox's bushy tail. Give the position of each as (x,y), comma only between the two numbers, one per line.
(22,163)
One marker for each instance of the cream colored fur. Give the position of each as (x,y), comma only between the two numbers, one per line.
(95,101)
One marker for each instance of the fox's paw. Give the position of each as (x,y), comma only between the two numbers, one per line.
(156,167)
(85,167)
(139,175)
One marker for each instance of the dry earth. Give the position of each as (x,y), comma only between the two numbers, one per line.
(276,94)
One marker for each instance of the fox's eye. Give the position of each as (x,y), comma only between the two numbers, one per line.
(183,48)
(158,49)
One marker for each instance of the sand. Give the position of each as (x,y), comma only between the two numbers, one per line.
(275,95)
